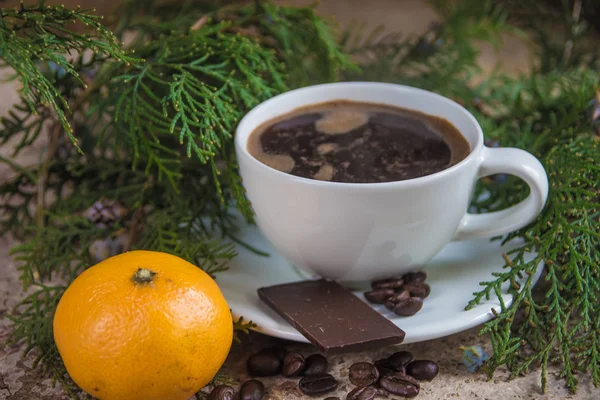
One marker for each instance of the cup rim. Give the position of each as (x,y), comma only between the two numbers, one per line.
(241,145)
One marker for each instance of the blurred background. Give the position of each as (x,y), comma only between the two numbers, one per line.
(404,16)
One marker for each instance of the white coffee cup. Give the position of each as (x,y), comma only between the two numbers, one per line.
(355,232)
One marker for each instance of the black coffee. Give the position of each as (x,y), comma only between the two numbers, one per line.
(345,141)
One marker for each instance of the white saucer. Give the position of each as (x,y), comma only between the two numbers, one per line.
(454,274)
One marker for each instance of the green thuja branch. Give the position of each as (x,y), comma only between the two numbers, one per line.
(195,85)
(242,326)
(54,250)
(294,31)
(554,114)
(562,326)
(534,113)
(24,122)
(33,36)
(157,166)
(18,200)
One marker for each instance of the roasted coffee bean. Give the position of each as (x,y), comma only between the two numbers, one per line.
(316,385)
(278,350)
(363,374)
(264,363)
(400,360)
(400,384)
(384,368)
(379,296)
(362,393)
(315,365)
(416,276)
(422,369)
(221,392)
(391,302)
(389,283)
(394,363)
(293,364)
(408,307)
(252,390)
(418,289)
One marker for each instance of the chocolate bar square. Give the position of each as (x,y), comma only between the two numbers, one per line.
(330,316)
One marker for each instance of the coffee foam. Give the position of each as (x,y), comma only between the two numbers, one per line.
(326,148)
(281,162)
(337,122)
(325,173)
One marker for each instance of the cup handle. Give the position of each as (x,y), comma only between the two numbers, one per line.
(514,162)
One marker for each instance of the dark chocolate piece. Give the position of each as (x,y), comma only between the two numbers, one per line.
(330,316)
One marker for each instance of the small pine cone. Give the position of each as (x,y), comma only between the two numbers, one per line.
(63,152)
(104,212)
(118,244)
(64,148)
(102,249)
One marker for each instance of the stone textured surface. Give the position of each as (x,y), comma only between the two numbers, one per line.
(19,382)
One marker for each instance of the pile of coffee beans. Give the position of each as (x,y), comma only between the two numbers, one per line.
(250,390)
(403,295)
(398,374)
(273,361)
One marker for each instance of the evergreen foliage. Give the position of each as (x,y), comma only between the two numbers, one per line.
(554,113)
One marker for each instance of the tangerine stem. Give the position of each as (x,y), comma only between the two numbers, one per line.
(143,276)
